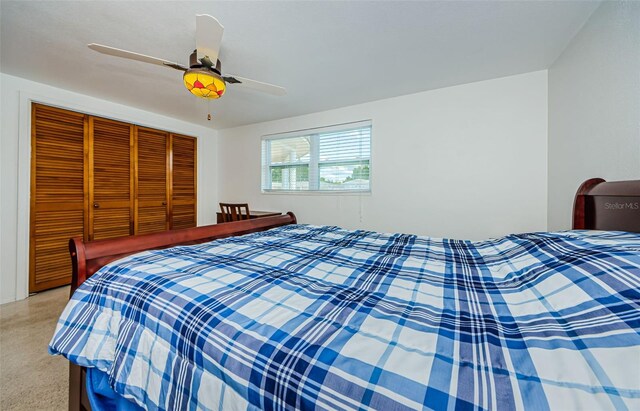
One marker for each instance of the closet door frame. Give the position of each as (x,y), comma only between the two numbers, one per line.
(28,248)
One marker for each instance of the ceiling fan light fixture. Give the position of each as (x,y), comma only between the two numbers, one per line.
(204,83)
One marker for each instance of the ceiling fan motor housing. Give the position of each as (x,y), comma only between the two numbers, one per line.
(204,62)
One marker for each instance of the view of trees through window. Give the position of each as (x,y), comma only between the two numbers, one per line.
(301,173)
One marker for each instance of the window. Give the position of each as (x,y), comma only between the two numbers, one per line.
(328,159)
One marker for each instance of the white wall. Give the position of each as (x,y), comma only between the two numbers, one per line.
(16,96)
(466,162)
(594,107)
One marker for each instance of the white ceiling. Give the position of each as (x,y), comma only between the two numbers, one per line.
(327,54)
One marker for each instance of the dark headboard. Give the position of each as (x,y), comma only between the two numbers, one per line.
(601,205)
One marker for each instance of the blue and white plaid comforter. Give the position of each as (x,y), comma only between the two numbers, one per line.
(312,317)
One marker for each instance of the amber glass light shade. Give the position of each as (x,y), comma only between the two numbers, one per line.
(204,83)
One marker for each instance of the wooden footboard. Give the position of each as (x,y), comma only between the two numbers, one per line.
(87,258)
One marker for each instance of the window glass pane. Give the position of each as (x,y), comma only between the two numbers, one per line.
(290,150)
(344,177)
(290,177)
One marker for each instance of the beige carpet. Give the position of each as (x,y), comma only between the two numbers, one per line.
(30,378)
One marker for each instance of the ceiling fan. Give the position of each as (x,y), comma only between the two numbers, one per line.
(203,77)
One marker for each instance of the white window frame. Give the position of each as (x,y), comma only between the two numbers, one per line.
(314,163)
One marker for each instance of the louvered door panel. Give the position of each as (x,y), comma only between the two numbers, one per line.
(111,182)
(57,193)
(51,246)
(183,216)
(98,178)
(183,176)
(152,191)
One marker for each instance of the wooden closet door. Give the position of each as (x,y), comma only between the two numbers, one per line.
(57,193)
(183,176)
(152,190)
(111,183)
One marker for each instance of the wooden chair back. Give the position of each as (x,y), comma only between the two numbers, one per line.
(234,212)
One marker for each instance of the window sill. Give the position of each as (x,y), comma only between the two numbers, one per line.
(318,193)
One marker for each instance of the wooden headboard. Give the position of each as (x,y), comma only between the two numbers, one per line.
(601,205)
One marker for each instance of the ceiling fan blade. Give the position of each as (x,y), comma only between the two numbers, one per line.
(112,51)
(256,85)
(208,37)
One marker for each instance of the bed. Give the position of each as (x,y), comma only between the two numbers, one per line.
(279,315)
